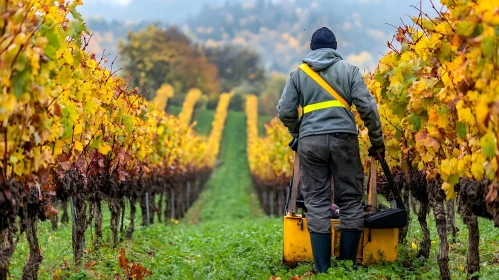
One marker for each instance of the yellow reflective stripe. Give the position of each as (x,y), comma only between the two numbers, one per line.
(318,79)
(322,105)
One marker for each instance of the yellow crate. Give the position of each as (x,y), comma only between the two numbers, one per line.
(376,244)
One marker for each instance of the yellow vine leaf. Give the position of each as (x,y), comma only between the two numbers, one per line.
(77,128)
(104,148)
(78,146)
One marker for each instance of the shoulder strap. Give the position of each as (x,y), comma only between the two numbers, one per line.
(312,74)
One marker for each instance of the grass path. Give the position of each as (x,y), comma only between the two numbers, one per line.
(229,193)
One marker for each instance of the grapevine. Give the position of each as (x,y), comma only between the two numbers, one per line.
(213,142)
(270,158)
(71,129)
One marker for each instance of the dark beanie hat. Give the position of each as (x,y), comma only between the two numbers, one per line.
(323,38)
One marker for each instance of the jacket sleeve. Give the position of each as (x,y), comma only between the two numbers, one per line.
(367,108)
(287,108)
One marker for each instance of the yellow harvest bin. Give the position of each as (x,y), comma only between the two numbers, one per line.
(376,244)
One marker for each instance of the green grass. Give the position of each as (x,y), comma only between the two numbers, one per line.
(226,236)
(203,119)
(229,194)
(173,109)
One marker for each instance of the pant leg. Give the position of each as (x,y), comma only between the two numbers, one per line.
(315,180)
(348,176)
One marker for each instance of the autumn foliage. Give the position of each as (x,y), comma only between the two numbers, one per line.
(69,127)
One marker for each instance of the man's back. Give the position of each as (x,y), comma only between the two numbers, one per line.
(346,80)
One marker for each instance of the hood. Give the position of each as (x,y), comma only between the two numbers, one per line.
(322,58)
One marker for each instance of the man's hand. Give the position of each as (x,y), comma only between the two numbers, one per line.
(377,151)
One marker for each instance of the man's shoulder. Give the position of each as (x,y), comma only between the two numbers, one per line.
(294,72)
(345,65)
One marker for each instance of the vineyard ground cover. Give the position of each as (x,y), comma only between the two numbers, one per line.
(229,194)
(203,119)
(174,110)
(232,239)
(242,249)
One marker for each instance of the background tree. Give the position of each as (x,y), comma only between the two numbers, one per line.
(157,56)
(237,67)
(271,94)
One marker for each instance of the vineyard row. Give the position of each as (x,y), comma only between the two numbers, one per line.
(71,131)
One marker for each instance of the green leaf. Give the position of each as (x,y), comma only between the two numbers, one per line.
(478,30)
(415,121)
(20,81)
(50,51)
(69,116)
(488,144)
(405,47)
(488,46)
(22,62)
(398,134)
(96,142)
(443,110)
(77,27)
(465,28)
(461,130)
(128,122)
(53,37)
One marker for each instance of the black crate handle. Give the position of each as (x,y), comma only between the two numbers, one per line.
(391,183)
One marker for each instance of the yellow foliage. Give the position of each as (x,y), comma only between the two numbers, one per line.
(162,95)
(69,108)
(438,95)
(270,158)
(213,144)
(188,106)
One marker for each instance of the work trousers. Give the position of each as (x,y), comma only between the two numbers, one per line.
(336,155)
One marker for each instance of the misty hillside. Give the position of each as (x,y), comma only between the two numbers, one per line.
(279,30)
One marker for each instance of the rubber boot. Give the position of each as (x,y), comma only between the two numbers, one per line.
(349,244)
(321,250)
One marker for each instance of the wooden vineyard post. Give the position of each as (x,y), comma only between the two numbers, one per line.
(147,209)
(188,194)
(271,201)
(264,199)
(172,202)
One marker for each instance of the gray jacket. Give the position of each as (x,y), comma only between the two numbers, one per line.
(346,80)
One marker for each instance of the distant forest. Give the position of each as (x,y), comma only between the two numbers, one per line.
(279,31)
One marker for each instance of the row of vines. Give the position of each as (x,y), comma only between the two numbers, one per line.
(438,95)
(73,133)
(270,159)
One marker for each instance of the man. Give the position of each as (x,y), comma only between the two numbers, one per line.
(328,144)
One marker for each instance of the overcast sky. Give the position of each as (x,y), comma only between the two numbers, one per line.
(177,11)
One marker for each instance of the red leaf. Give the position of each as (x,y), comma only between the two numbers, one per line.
(134,270)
